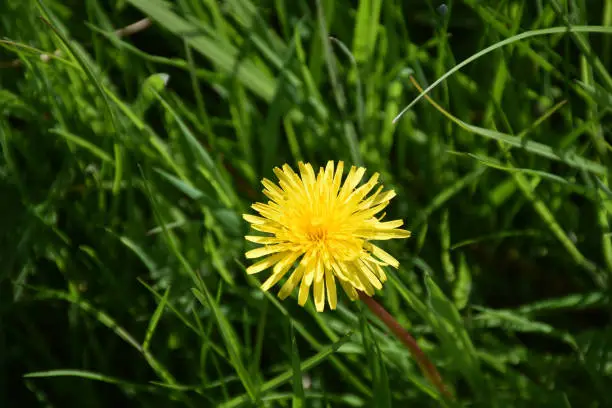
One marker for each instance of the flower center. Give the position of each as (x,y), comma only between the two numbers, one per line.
(316,231)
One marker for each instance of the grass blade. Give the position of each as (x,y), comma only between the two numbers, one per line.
(507,41)
(155,319)
(298,399)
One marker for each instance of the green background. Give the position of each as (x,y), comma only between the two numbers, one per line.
(127,161)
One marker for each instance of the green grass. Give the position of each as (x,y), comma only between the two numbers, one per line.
(126,163)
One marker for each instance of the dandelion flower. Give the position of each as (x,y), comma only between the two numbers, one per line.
(326,227)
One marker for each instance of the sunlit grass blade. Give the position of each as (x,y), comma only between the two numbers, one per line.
(595,273)
(223,56)
(187,189)
(359,98)
(570,302)
(569,158)
(188,323)
(90,375)
(150,88)
(111,324)
(513,39)
(583,45)
(341,366)
(496,164)
(445,195)
(85,144)
(496,237)
(207,166)
(298,400)
(488,318)
(159,310)
(366,29)
(348,130)
(281,379)
(599,95)
(203,295)
(231,340)
(457,341)
(380,381)
(79,55)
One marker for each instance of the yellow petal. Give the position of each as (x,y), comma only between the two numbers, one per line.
(289,182)
(385,235)
(385,197)
(383,256)
(368,201)
(291,176)
(306,181)
(294,194)
(367,214)
(349,290)
(381,273)
(265,263)
(362,191)
(369,258)
(307,173)
(339,270)
(308,262)
(266,250)
(389,224)
(304,291)
(288,261)
(280,269)
(326,260)
(319,295)
(373,199)
(328,175)
(319,270)
(337,179)
(255,220)
(309,274)
(272,280)
(355,278)
(269,227)
(320,176)
(352,179)
(291,283)
(267,211)
(368,274)
(330,283)
(273,191)
(262,240)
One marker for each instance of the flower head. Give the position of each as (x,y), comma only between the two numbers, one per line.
(327,227)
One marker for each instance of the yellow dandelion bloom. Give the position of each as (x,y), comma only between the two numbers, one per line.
(328,226)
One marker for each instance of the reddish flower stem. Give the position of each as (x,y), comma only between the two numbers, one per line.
(429,370)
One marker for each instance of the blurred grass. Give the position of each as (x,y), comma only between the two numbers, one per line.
(127,161)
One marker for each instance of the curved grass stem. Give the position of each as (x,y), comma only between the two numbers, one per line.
(429,370)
